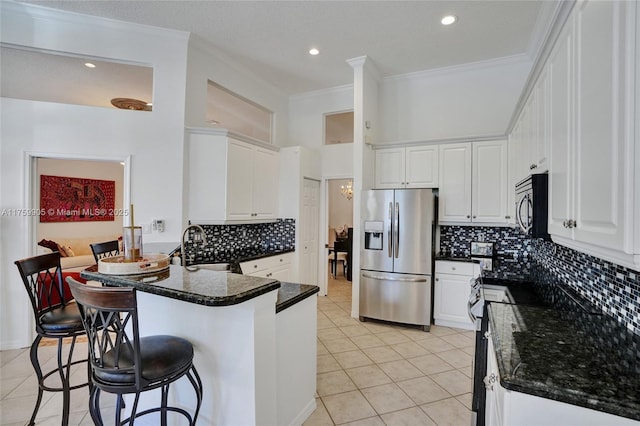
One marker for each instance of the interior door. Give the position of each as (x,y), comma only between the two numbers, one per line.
(309,230)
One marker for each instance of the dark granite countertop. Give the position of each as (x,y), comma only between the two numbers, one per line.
(289,294)
(576,357)
(194,285)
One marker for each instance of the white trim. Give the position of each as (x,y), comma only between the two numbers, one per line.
(320,92)
(45,13)
(560,13)
(398,144)
(467,67)
(227,133)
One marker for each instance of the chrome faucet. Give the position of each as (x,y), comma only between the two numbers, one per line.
(186,230)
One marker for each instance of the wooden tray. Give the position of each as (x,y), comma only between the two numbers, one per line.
(149,263)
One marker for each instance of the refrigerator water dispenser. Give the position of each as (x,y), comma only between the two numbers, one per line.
(373,232)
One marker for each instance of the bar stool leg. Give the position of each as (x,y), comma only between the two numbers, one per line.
(65,377)
(36,366)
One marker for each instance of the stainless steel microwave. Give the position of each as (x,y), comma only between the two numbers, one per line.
(532,205)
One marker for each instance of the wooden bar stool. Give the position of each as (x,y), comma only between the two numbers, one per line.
(122,362)
(56,317)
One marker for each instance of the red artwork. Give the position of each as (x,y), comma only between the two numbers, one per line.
(69,199)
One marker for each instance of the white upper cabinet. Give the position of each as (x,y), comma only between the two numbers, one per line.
(489,182)
(559,69)
(230,180)
(454,203)
(473,182)
(591,70)
(410,167)
(252,179)
(390,166)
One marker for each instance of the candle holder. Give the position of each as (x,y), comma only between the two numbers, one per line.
(132,243)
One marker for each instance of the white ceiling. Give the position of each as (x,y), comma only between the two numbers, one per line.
(272,38)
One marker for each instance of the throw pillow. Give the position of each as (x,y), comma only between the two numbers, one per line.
(51,245)
(61,250)
(67,251)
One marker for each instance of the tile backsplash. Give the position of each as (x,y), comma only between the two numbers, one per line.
(229,242)
(612,288)
(511,247)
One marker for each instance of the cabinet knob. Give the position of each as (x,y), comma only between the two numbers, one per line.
(468,216)
(282,260)
(437,279)
(533,166)
(474,217)
(453,268)
(255,266)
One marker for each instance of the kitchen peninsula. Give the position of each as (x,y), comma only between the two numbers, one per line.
(254,340)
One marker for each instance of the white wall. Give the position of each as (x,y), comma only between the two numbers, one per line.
(306,113)
(475,100)
(153,140)
(103,170)
(205,64)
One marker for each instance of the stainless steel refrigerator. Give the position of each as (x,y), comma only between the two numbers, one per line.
(396,255)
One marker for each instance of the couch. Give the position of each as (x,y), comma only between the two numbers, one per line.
(82,255)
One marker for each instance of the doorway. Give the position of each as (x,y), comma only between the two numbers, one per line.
(117,169)
(339,220)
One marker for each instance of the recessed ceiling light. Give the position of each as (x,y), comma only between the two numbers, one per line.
(314,51)
(89,65)
(449,19)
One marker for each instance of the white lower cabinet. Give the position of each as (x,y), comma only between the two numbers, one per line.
(505,407)
(276,267)
(451,293)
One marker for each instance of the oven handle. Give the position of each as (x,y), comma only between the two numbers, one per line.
(474,297)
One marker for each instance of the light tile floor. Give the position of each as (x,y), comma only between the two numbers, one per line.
(369,373)
(375,373)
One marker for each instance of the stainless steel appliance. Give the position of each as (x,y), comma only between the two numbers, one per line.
(532,205)
(396,255)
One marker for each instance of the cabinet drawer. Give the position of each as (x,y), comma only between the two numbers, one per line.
(457,268)
(265,263)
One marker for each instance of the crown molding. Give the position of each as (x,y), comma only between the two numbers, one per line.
(207,48)
(556,13)
(467,67)
(337,90)
(37,12)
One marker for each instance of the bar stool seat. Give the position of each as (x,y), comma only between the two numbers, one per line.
(123,362)
(65,319)
(160,356)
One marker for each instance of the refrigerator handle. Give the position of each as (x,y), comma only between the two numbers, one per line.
(396,230)
(390,228)
(400,279)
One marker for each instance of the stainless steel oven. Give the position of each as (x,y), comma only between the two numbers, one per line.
(477,308)
(532,205)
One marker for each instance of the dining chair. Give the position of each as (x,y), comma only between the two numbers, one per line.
(106,249)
